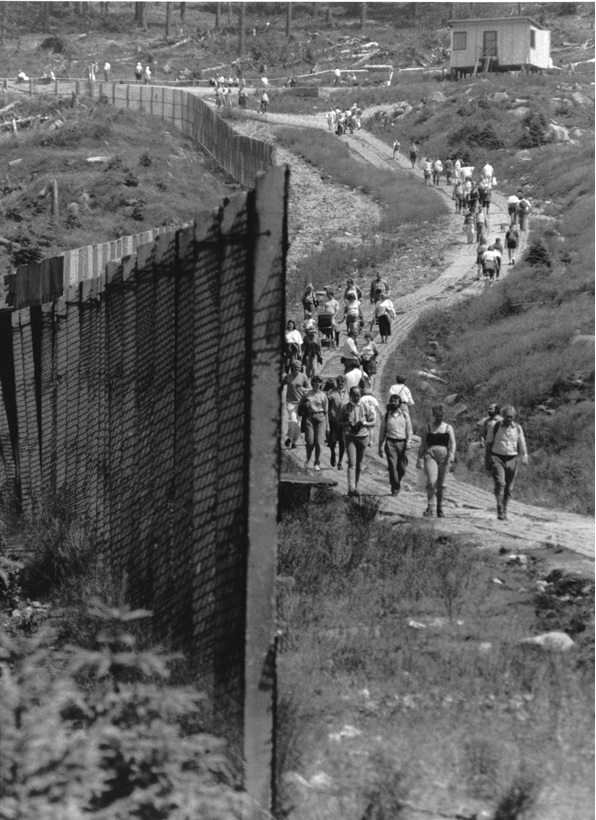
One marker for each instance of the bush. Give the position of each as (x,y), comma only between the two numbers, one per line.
(476,134)
(534,124)
(537,255)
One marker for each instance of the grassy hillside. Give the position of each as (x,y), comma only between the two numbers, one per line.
(153,177)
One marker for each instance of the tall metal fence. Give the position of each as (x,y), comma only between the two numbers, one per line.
(241,157)
(147,399)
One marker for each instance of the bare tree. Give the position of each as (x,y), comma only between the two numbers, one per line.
(140,9)
(168,18)
(182,11)
(218,15)
(2,21)
(362,15)
(288,20)
(242,29)
(44,15)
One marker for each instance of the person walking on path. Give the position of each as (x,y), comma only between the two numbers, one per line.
(498,246)
(336,398)
(264,102)
(457,169)
(311,353)
(368,355)
(332,308)
(427,169)
(355,420)
(315,421)
(489,265)
(293,345)
(512,206)
(378,288)
(487,173)
(437,171)
(350,354)
(523,210)
(413,153)
(458,196)
(296,384)
(505,442)
(395,438)
(481,225)
(487,200)
(147,75)
(396,147)
(492,417)
(368,400)
(106,71)
(309,300)
(436,454)
(448,170)
(469,226)
(353,313)
(482,247)
(352,287)
(400,389)
(384,314)
(138,72)
(511,241)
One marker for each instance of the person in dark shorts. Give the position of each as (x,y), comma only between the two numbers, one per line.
(511,242)
(436,454)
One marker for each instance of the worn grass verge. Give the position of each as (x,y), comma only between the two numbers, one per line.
(404,684)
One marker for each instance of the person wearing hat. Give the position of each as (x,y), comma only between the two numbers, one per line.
(492,417)
(315,421)
(394,440)
(505,441)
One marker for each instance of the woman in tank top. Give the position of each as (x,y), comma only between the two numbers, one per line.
(436,453)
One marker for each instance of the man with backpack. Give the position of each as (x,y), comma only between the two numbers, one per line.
(394,439)
(523,209)
(505,441)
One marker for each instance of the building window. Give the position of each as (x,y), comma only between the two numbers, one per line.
(532,38)
(459,40)
(490,44)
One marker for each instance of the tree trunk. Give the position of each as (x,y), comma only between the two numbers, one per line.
(229,14)
(314,11)
(242,26)
(289,20)
(362,15)
(168,18)
(44,15)
(218,15)
(182,11)
(2,21)
(329,16)
(55,211)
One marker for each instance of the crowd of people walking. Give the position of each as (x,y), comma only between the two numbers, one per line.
(341,413)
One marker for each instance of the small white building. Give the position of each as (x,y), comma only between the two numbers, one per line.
(498,44)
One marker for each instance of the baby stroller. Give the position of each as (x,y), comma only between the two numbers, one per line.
(326,328)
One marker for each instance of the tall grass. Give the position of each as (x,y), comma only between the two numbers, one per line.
(406,638)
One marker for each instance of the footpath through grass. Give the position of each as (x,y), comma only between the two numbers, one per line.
(403,681)
(408,209)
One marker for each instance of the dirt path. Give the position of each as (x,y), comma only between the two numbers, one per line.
(564,539)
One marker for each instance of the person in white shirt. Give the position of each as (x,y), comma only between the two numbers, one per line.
(512,205)
(394,440)
(400,389)
(505,441)
(384,313)
(106,71)
(293,348)
(487,173)
(368,400)
(147,75)
(437,171)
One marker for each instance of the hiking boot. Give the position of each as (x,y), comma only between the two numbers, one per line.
(294,445)
(440,513)
(318,468)
(395,491)
(500,514)
(353,493)
(332,459)
(288,442)
(340,466)
(428,513)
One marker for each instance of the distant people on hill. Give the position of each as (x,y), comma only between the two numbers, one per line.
(242,98)
(22,77)
(436,454)
(396,147)
(458,196)
(457,169)
(427,169)
(505,442)
(264,102)
(138,72)
(337,77)
(489,265)
(487,173)
(147,75)
(498,246)
(437,171)
(511,242)
(395,438)
(106,71)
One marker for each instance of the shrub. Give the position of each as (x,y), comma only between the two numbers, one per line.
(534,124)
(537,255)
(482,135)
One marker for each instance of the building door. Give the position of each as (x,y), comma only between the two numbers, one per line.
(489,48)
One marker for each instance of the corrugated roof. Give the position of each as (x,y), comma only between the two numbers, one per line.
(511,19)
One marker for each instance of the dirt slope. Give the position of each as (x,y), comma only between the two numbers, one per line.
(562,538)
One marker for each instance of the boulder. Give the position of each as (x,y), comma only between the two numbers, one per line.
(519,103)
(519,113)
(500,96)
(438,97)
(581,99)
(557,133)
(551,642)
